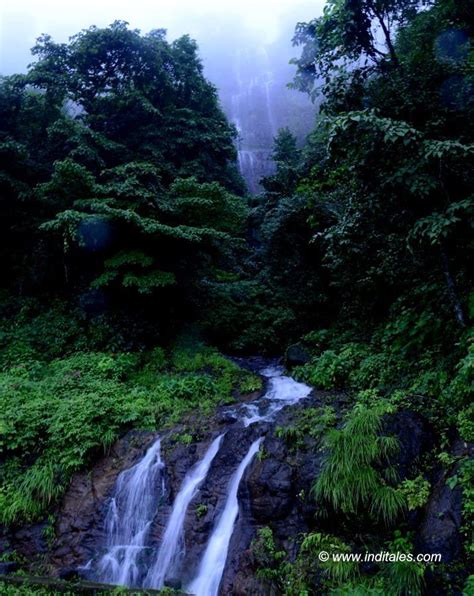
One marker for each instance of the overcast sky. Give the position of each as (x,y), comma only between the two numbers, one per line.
(22,21)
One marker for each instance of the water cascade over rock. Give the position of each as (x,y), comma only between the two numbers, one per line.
(138,553)
(171,549)
(214,559)
(129,515)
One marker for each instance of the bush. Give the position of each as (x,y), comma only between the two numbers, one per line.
(333,369)
(416,492)
(310,422)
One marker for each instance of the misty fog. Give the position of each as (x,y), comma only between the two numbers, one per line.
(245,49)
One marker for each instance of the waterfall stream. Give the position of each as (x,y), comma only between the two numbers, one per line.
(213,562)
(172,545)
(129,517)
(131,558)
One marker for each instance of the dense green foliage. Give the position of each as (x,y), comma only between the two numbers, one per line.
(366,236)
(125,228)
(58,413)
(117,173)
(331,577)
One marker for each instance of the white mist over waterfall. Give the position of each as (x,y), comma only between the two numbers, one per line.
(172,544)
(252,79)
(213,562)
(129,516)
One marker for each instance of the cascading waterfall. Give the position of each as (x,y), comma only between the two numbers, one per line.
(137,496)
(268,84)
(251,108)
(171,548)
(129,516)
(282,391)
(213,562)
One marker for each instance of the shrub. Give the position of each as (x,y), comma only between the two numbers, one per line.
(416,492)
(310,422)
(332,369)
(466,424)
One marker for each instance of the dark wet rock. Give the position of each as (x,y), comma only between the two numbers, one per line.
(440,529)
(29,541)
(415,437)
(271,483)
(227,417)
(80,527)
(242,581)
(296,355)
(256,363)
(69,574)
(174,584)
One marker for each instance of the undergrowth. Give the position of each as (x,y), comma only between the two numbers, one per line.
(58,415)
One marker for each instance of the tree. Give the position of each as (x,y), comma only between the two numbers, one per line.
(120,164)
(352,40)
(286,157)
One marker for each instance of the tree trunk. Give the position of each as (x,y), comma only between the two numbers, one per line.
(458,311)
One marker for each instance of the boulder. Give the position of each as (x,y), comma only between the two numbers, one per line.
(439,530)
(296,355)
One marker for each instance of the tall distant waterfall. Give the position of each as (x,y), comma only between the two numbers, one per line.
(132,557)
(254,92)
(252,112)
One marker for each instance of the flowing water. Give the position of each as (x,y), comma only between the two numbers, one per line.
(129,516)
(213,562)
(131,559)
(251,109)
(171,549)
(282,391)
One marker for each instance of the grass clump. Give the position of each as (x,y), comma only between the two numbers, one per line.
(357,475)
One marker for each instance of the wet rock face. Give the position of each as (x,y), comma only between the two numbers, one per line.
(414,435)
(296,355)
(271,483)
(268,494)
(79,528)
(439,531)
(275,491)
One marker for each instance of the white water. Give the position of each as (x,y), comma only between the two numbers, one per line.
(213,562)
(129,516)
(137,496)
(171,550)
(282,391)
